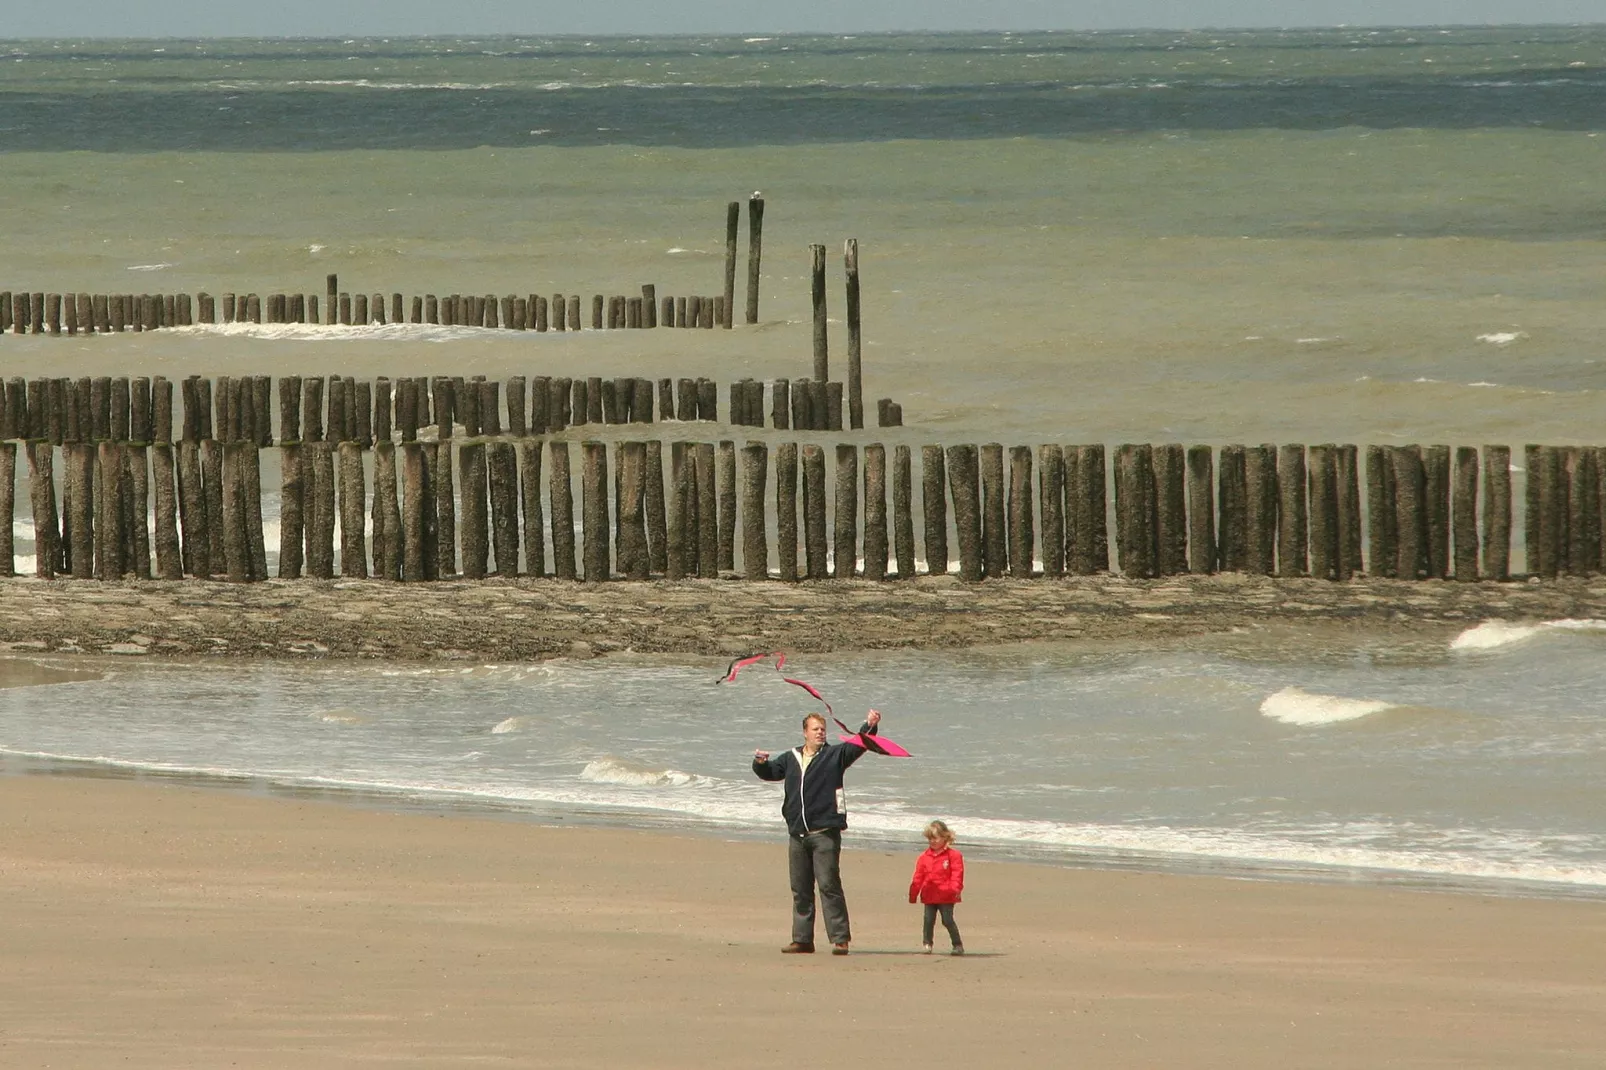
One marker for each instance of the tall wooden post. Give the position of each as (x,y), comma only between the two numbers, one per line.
(561,497)
(994,538)
(534,514)
(1021,541)
(963,486)
(1464,495)
(934,509)
(733,221)
(822,363)
(1496,512)
(786,511)
(850,257)
(903,520)
(875,512)
(755,250)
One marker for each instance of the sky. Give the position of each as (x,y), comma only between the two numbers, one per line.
(368,18)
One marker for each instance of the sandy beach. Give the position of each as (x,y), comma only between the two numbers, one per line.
(154,925)
(529,619)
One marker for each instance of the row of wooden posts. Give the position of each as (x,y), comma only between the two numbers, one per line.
(344,408)
(86,313)
(474,507)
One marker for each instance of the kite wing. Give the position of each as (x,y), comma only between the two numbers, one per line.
(877,744)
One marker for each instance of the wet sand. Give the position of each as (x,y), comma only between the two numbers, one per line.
(527,620)
(158,926)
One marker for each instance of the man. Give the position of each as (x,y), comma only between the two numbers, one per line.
(815,817)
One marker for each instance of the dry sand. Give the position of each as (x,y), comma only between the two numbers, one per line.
(531,619)
(149,925)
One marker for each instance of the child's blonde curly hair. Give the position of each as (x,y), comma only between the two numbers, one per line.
(938,830)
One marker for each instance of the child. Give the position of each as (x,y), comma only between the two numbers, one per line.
(938,880)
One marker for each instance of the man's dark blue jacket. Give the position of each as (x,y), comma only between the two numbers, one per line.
(813,800)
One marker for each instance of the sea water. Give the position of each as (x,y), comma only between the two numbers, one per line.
(1472,762)
(1351,235)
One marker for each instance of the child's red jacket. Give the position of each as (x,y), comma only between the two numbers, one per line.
(939,876)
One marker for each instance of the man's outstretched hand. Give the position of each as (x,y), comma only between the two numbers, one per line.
(872,718)
(761,756)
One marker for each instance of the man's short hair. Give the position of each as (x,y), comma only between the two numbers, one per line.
(816,716)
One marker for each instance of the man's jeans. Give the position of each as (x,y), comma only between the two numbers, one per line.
(816,859)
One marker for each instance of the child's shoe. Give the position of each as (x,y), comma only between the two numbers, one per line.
(959,949)
(925,949)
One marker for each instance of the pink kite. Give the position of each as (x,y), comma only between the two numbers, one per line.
(864,741)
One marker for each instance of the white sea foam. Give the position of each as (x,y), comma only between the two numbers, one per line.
(375,332)
(1293,705)
(1502,338)
(611,770)
(1494,634)
(512,724)
(149,267)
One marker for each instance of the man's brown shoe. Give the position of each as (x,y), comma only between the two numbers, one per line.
(839,949)
(795,948)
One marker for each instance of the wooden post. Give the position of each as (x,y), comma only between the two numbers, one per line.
(78,502)
(594,508)
(517,425)
(383,406)
(1583,511)
(833,405)
(312,410)
(418,551)
(1086,541)
(679,559)
(631,555)
(443,483)
(1021,535)
(814,512)
(1135,504)
(1260,513)
(707,513)
(726,546)
(649,305)
(169,559)
(250,471)
(1322,472)
(1171,510)
(196,544)
(353,503)
(708,400)
(1464,496)
(963,486)
(385,515)
(875,511)
(318,519)
(1436,510)
(562,501)
(995,554)
(212,487)
(236,551)
(1051,507)
(534,515)
(596,313)
(8,504)
(1201,511)
(1292,518)
(42,497)
(1410,559)
(475,529)
(786,511)
(1349,513)
(733,222)
(822,363)
(934,510)
(657,527)
(136,471)
(1497,512)
(108,493)
(360,411)
(502,460)
(641,401)
(490,412)
(850,257)
(1380,530)
(292,495)
(755,249)
(903,521)
(755,543)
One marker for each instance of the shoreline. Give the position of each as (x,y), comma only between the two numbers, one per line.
(157,924)
(537,619)
(449,805)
